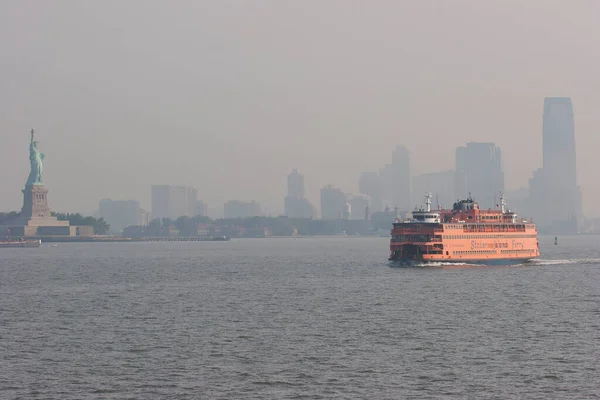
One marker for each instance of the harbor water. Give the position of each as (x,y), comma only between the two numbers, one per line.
(295,319)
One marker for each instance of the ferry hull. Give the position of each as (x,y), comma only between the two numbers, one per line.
(434,263)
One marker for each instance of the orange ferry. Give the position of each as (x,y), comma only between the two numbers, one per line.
(464,234)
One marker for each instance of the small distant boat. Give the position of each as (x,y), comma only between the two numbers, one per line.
(20,243)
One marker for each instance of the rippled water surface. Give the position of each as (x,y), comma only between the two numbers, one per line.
(295,318)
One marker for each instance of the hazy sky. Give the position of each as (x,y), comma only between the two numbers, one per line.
(229,96)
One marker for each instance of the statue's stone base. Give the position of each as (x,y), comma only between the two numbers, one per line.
(35,218)
(35,203)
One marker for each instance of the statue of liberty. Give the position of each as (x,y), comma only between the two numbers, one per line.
(35,160)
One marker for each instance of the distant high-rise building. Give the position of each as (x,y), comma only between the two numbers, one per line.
(555,197)
(558,131)
(241,209)
(370,184)
(295,184)
(439,184)
(145,217)
(518,201)
(401,179)
(299,207)
(360,206)
(347,212)
(173,201)
(295,204)
(333,203)
(120,213)
(386,177)
(201,208)
(479,171)
(396,181)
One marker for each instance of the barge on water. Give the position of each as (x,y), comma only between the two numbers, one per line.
(20,243)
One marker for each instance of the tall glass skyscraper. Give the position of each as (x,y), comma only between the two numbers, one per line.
(173,201)
(396,180)
(554,194)
(558,133)
(295,184)
(370,184)
(295,204)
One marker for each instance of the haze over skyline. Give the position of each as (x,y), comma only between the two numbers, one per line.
(231,96)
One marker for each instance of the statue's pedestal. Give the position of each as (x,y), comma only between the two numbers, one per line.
(35,203)
(35,218)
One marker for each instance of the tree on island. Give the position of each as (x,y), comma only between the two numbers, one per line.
(8,216)
(276,226)
(101,227)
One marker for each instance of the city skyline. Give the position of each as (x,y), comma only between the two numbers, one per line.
(193,205)
(553,196)
(478,172)
(229,97)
